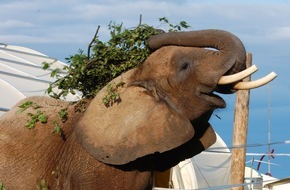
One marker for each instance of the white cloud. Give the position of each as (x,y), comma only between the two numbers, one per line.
(18,39)
(279,33)
(7,24)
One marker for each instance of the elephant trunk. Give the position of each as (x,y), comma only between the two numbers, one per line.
(228,56)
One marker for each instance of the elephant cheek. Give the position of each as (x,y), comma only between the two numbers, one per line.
(193,108)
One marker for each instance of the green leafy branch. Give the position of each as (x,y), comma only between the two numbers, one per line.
(89,72)
(176,27)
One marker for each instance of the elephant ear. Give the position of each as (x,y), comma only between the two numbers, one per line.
(136,126)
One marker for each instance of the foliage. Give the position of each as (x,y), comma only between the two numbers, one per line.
(126,49)
(42,185)
(63,114)
(176,27)
(80,106)
(57,129)
(27,105)
(39,116)
(113,95)
(2,186)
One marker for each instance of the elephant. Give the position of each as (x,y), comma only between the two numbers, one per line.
(160,118)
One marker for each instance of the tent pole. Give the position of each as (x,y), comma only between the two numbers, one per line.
(240,134)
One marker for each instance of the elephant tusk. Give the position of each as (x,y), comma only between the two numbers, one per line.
(238,76)
(256,83)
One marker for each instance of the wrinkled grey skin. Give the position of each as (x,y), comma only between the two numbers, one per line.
(160,120)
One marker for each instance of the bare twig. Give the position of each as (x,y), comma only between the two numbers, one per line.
(91,43)
(140,20)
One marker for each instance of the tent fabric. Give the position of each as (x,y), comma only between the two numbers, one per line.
(22,75)
(9,95)
(205,170)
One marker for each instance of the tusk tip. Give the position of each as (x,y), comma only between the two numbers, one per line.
(256,83)
(273,74)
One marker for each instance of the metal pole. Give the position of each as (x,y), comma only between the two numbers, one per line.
(4,109)
(269,132)
(240,134)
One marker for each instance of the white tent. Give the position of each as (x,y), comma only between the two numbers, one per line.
(207,169)
(22,74)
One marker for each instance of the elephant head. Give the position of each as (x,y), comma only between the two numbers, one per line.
(167,101)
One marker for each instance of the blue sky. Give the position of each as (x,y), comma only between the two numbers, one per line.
(59,28)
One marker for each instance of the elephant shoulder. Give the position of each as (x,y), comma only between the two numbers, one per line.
(28,149)
(34,105)
(38,118)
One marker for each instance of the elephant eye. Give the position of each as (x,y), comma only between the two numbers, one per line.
(184,66)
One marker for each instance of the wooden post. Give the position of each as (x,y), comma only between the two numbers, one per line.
(240,134)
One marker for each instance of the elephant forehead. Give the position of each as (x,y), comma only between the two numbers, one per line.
(173,51)
(168,57)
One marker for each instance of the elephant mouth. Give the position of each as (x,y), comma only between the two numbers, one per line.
(213,100)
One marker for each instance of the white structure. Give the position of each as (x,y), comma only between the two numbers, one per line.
(207,169)
(21,74)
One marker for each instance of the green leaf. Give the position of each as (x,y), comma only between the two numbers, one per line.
(164,19)
(34,118)
(24,106)
(57,128)
(49,90)
(43,185)
(27,105)
(63,114)
(45,65)
(2,186)
(184,24)
(42,118)
(54,72)
(30,125)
